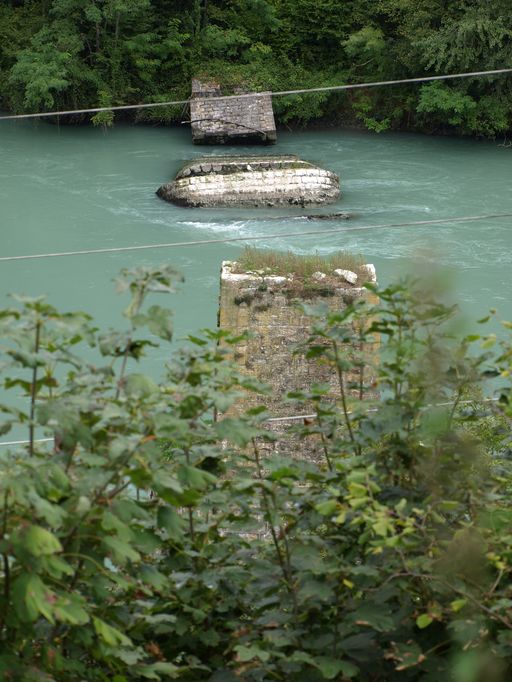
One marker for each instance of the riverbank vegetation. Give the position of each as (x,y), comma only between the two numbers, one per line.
(68,54)
(153,539)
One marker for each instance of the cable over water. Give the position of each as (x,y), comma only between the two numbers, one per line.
(277,93)
(280,235)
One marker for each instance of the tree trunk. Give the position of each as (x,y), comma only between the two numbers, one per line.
(116,34)
(197,17)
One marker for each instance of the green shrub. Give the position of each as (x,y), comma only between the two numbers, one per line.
(151,539)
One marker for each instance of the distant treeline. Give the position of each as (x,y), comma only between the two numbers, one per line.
(57,54)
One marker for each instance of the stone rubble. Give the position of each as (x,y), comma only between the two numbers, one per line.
(346,275)
(372,273)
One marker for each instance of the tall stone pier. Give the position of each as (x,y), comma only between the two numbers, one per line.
(268,308)
(236,120)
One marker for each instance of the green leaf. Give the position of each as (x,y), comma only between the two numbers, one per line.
(172,522)
(155,671)
(128,509)
(146,541)
(449,505)
(197,479)
(26,359)
(302,657)
(458,604)
(236,431)
(55,566)
(5,427)
(424,621)
(488,341)
(121,551)
(327,508)
(70,609)
(164,481)
(39,541)
(129,656)
(112,522)
(209,637)
(315,590)
(151,576)
(160,619)
(110,635)
(140,386)
(159,321)
(375,616)
(32,597)
(332,667)
(405,655)
(358,490)
(466,666)
(198,341)
(496,520)
(53,514)
(248,653)
(224,676)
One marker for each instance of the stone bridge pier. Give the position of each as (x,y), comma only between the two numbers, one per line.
(265,308)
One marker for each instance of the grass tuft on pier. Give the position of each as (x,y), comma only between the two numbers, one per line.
(269,262)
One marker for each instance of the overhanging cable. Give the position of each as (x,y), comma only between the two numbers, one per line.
(277,93)
(227,240)
(301,417)
(26,442)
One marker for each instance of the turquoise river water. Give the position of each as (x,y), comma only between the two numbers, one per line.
(73,188)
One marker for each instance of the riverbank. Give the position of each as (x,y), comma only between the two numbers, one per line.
(338,123)
(73,56)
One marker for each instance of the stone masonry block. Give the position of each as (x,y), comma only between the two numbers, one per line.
(277,325)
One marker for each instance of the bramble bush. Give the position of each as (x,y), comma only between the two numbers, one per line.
(152,540)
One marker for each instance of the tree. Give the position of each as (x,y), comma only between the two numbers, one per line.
(80,53)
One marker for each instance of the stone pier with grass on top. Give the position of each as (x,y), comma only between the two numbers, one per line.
(261,293)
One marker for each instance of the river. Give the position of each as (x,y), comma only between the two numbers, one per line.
(73,188)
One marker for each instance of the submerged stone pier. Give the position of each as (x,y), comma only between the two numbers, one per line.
(251,181)
(266,306)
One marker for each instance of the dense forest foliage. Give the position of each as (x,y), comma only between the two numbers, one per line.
(59,54)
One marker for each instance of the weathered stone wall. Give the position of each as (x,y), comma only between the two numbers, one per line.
(230,121)
(277,325)
(251,181)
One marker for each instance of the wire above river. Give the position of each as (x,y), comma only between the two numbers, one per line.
(281,235)
(277,93)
